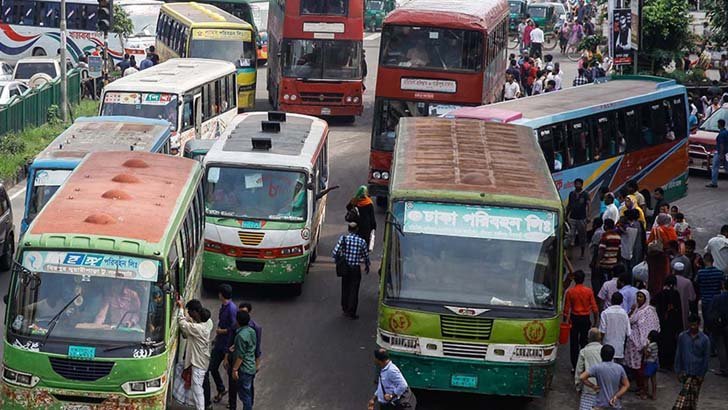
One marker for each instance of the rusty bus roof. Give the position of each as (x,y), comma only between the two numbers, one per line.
(477,157)
(124,194)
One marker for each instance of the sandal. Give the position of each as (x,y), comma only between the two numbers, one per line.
(220,395)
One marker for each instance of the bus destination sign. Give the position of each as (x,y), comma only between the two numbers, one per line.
(91,264)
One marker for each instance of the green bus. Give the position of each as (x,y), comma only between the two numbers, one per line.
(470,292)
(91,319)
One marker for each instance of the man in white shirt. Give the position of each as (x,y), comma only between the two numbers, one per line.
(511,89)
(718,247)
(537,39)
(614,326)
(611,212)
(555,74)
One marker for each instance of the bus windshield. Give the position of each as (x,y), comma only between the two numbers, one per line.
(473,256)
(328,7)
(375,5)
(238,50)
(256,193)
(45,184)
(515,7)
(322,59)
(433,48)
(145,105)
(110,298)
(388,113)
(143,18)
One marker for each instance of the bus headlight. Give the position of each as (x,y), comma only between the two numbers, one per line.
(385,175)
(294,97)
(286,97)
(144,387)
(356,100)
(292,251)
(377,175)
(19,378)
(348,99)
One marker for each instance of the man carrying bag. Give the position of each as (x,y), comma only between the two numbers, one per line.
(392,392)
(350,251)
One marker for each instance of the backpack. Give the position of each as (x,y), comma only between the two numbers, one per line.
(352,215)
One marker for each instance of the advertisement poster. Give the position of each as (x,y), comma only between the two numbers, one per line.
(622,37)
(635,7)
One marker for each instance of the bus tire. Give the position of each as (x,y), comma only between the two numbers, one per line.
(39,52)
(6,260)
(297,289)
(381,201)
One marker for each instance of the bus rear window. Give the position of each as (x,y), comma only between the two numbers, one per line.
(432,48)
(26,70)
(329,7)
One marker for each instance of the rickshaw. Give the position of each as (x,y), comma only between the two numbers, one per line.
(518,11)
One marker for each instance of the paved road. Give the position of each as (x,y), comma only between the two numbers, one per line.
(316,359)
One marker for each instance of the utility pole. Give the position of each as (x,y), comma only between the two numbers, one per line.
(64,74)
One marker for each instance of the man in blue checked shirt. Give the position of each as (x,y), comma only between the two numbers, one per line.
(392,389)
(355,251)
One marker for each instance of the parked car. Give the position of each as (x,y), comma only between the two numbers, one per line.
(10,89)
(702,141)
(7,231)
(6,71)
(30,66)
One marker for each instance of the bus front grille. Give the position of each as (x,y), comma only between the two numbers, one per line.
(464,350)
(251,238)
(322,98)
(81,370)
(464,327)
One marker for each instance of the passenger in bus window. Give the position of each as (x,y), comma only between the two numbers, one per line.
(121,308)
(417,56)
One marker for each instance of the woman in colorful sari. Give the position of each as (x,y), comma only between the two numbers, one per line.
(643,319)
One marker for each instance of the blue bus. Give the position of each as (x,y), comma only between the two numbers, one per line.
(88,134)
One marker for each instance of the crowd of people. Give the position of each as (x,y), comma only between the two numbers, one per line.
(650,291)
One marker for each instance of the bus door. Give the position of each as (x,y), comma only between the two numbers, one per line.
(198,115)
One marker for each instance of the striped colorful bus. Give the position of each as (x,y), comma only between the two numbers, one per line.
(91,316)
(470,292)
(631,127)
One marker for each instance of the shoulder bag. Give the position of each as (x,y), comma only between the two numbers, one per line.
(656,245)
(406,401)
(342,268)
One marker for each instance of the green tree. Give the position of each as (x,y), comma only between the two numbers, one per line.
(122,23)
(665,31)
(717,12)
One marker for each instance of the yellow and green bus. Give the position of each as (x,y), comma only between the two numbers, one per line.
(204,31)
(470,291)
(91,315)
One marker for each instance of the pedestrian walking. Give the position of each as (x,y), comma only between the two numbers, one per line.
(651,363)
(589,356)
(691,364)
(147,62)
(511,89)
(719,319)
(719,156)
(360,209)
(686,290)
(227,362)
(577,211)
(580,78)
(614,326)
(514,70)
(696,261)
(243,368)
(612,382)
(630,230)
(659,195)
(718,248)
(393,392)
(630,202)
(608,255)
(352,250)
(537,39)
(196,327)
(669,311)
(629,292)
(709,281)
(682,230)
(223,337)
(611,211)
(642,320)
(526,39)
(564,37)
(576,34)
(609,287)
(658,260)
(579,304)
(676,257)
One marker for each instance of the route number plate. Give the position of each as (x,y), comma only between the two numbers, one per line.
(326,111)
(464,380)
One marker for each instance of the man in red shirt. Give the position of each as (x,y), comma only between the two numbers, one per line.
(579,304)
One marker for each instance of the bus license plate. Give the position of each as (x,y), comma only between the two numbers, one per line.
(251,225)
(81,352)
(464,380)
(326,111)
(76,407)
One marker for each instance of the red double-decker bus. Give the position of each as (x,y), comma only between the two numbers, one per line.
(434,56)
(315,56)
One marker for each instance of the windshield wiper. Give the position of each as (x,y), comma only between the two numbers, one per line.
(391,219)
(27,277)
(145,343)
(52,323)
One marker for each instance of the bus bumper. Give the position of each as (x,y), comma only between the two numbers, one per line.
(493,378)
(21,398)
(277,271)
(318,110)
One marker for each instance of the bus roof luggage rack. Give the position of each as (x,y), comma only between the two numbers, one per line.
(279,116)
(270,126)
(262,143)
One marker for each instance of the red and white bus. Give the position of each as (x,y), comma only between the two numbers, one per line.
(434,57)
(315,56)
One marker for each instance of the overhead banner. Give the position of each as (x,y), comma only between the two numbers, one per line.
(528,225)
(622,37)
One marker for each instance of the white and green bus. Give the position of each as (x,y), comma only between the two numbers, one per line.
(91,315)
(265,198)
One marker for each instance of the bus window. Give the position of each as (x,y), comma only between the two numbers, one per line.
(628,126)
(52,15)
(187,122)
(546,141)
(647,135)
(563,155)
(580,145)
(669,120)
(679,117)
(658,119)
(233,94)
(330,7)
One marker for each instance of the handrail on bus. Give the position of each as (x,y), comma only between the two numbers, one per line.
(662,82)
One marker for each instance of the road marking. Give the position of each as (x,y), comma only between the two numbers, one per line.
(372,36)
(15,195)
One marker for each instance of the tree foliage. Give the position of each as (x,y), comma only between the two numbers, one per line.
(717,12)
(122,23)
(665,30)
